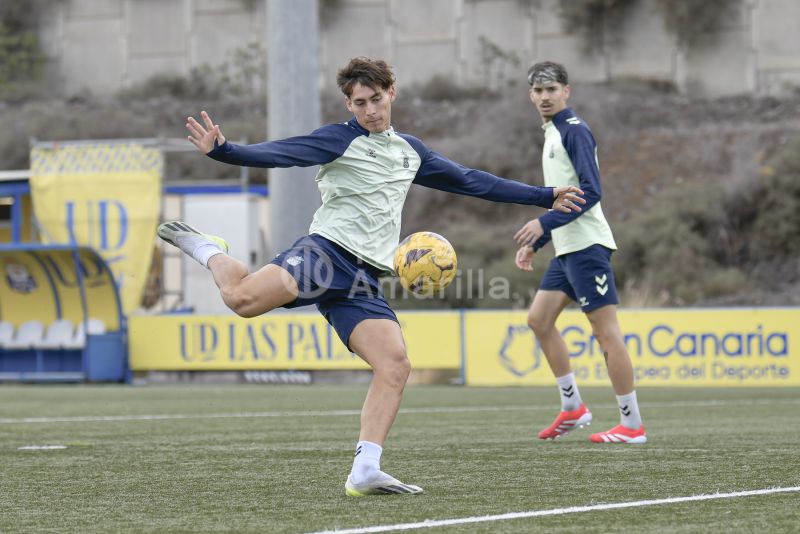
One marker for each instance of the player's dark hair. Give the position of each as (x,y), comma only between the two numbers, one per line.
(373,73)
(546,72)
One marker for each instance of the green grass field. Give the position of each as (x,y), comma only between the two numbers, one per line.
(275,458)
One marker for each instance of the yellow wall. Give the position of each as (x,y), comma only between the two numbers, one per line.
(27,218)
(277,341)
(668,347)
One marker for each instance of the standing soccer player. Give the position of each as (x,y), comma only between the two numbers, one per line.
(366,169)
(581,270)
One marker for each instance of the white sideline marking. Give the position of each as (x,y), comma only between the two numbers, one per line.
(41,447)
(430,523)
(338,413)
(318,413)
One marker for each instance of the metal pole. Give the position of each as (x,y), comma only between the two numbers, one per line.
(293,108)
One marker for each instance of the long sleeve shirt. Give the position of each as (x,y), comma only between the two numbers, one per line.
(364,179)
(569,157)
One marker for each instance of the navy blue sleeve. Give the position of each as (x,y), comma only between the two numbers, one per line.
(438,172)
(319,147)
(582,151)
(542,241)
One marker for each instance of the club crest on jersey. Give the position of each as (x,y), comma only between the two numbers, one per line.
(371,153)
(552,152)
(405,159)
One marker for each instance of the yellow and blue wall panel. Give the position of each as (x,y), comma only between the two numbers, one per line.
(668,347)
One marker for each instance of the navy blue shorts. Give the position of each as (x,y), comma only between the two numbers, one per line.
(344,288)
(585,276)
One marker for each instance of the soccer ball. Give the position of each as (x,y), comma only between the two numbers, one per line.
(425,262)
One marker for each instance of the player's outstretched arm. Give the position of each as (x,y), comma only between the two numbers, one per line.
(524,259)
(438,172)
(566,199)
(203,137)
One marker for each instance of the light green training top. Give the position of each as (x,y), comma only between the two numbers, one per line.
(364,178)
(569,157)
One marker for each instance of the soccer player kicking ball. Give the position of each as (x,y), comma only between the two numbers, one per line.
(581,270)
(366,169)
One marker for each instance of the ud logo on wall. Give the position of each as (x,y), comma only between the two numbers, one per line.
(105,196)
(520,354)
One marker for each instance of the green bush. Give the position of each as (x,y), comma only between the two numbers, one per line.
(696,241)
(776,199)
(675,244)
(241,76)
(599,22)
(201,84)
(21,57)
(691,22)
(441,88)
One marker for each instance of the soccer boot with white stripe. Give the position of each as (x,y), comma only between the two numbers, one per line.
(189,239)
(566,422)
(621,434)
(379,483)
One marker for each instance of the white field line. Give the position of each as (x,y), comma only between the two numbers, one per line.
(431,523)
(349,413)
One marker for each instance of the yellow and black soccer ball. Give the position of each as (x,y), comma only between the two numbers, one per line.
(425,262)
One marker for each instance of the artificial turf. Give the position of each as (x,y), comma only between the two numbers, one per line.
(275,458)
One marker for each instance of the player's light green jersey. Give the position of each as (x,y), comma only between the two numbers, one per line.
(569,157)
(363,193)
(364,178)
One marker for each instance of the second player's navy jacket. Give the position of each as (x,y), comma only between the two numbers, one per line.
(569,157)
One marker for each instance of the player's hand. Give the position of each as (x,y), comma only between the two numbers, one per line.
(203,136)
(524,258)
(566,199)
(530,233)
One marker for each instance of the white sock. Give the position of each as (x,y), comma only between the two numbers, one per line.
(629,411)
(199,248)
(568,389)
(366,462)
(205,251)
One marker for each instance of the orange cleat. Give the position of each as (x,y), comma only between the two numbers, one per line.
(621,434)
(566,422)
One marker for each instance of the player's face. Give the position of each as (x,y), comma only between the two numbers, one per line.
(372,107)
(549,98)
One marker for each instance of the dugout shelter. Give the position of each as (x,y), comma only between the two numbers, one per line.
(60,315)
